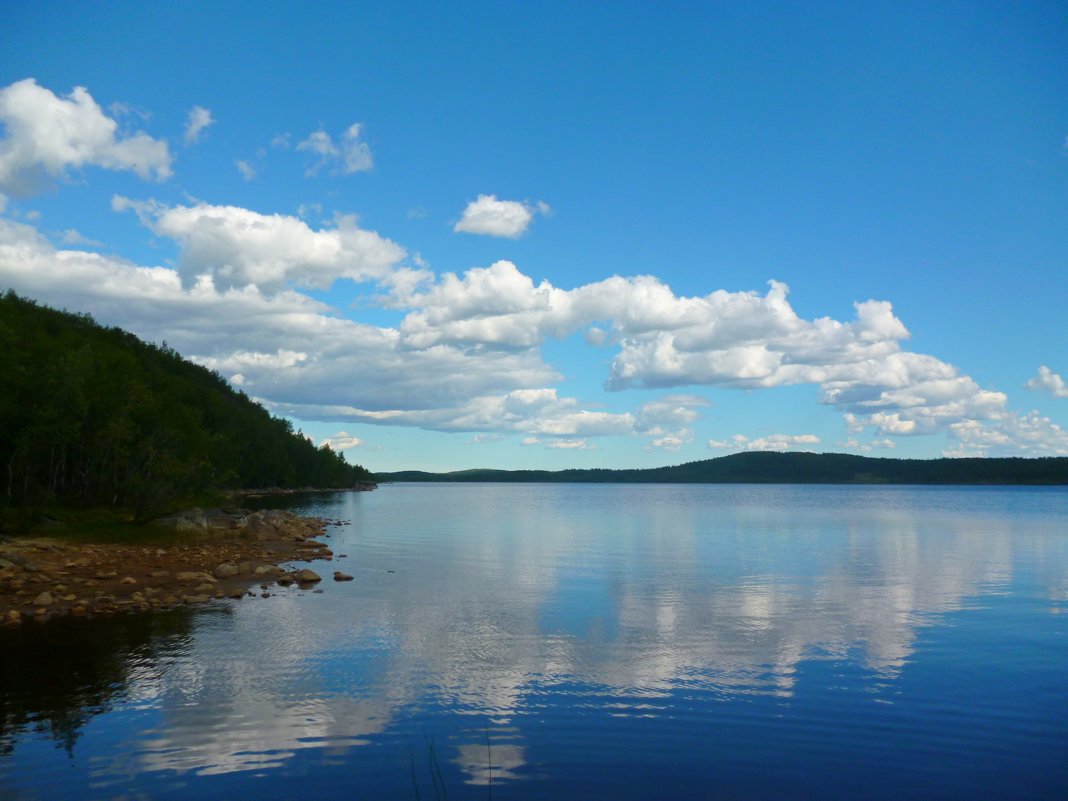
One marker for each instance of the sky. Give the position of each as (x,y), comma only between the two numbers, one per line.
(552,235)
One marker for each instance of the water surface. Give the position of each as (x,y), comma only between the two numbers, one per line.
(586,641)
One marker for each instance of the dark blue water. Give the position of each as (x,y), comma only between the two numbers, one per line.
(593,642)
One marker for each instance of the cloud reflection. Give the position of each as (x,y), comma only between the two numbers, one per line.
(501,605)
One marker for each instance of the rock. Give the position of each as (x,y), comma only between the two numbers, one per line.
(106,576)
(307,576)
(269,571)
(196,599)
(237,594)
(246,567)
(6,565)
(339,576)
(159,573)
(192,575)
(226,570)
(189,520)
(202,588)
(44,599)
(128,580)
(14,616)
(78,610)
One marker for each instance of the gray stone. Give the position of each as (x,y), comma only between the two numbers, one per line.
(189,575)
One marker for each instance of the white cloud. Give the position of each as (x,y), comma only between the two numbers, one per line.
(466,354)
(570,444)
(291,349)
(1028,434)
(196,123)
(853,444)
(341,441)
(48,135)
(489,216)
(779,442)
(772,442)
(237,247)
(350,155)
(72,237)
(1048,381)
(248,172)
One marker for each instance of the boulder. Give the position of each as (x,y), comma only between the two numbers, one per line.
(226,570)
(44,599)
(269,571)
(189,575)
(307,576)
(339,576)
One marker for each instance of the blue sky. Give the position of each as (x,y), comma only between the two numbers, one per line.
(542,235)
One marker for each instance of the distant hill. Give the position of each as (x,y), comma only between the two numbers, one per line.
(92,416)
(788,468)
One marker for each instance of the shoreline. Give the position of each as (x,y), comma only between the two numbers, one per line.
(199,556)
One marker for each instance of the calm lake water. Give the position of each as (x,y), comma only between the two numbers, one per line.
(589,642)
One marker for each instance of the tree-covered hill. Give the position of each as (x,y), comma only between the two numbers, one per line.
(92,416)
(789,468)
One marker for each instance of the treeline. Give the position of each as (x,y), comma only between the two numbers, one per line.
(92,416)
(788,468)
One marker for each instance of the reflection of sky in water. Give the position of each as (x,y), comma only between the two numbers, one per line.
(514,608)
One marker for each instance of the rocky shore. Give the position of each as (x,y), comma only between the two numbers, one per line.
(199,556)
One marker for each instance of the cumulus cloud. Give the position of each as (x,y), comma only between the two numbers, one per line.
(48,135)
(73,237)
(666,420)
(341,441)
(1049,382)
(744,340)
(196,123)
(349,155)
(489,216)
(237,247)
(466,354)
(248,172)
(1028,434)
(289,350)
(772,442)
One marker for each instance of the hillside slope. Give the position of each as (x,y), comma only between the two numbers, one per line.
(93,416)
(789,468)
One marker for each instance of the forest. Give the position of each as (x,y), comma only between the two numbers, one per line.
(790,468)
(94,417)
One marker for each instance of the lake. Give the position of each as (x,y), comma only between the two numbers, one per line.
(552,641)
